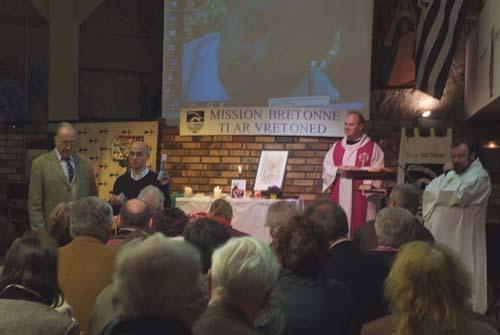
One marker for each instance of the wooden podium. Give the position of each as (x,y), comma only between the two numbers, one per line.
(383,174)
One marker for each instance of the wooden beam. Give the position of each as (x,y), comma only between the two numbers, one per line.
(43,6)
(85,8)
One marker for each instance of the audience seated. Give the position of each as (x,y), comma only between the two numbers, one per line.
(157,288)
(394,226)
(222,212)
(29,289)
(429,292)
(311,304)
(152,197)
(360,272)
(103,312)
(170,221)
(206,235)
(134,215)
(280,213)
(403,195)
(7,236)
(242,276)
(86,263)
(58,225)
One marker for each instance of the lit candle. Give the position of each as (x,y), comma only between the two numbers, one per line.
(217,192)
(188,191)
(239,169)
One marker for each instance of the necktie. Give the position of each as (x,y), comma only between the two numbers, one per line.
(71,171)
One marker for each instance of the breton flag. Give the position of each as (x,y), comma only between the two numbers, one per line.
(439,24)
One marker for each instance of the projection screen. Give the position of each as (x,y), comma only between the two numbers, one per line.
(266,52)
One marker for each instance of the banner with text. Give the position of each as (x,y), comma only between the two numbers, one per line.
(276,121)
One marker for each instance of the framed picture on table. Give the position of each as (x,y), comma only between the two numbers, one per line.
(238,187)
(271,170)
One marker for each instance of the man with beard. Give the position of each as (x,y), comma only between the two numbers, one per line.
(454,210)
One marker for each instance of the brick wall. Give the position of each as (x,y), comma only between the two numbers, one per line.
(203,162)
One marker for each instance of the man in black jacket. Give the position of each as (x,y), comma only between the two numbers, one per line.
(361,273)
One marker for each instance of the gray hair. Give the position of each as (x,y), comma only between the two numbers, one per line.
(394,226)
(244,270)
(152,196)
(91,216)
(63,125)
(406,196)
(158,276)
(280,213)
(330,216)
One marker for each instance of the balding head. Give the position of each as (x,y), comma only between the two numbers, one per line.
(135,214)
(138,156)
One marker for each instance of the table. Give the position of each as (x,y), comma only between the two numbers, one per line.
(249,215)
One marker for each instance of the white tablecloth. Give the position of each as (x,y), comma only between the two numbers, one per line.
(249,215)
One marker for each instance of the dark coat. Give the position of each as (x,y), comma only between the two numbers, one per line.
(147,325)
(222,319)
(313,306)
(364,275)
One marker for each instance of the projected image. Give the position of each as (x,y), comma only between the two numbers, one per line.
(245,52)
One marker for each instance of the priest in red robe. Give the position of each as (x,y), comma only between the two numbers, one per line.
(355,150)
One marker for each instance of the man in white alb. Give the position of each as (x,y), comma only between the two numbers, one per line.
(355,150)
(454,210)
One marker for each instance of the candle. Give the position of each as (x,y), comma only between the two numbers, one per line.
(239,169)
(217,192)
(188,191)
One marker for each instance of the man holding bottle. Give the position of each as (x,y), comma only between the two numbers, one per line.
(129,185)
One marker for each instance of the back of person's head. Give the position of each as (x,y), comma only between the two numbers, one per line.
(135,214)
(301,247)
(394,226)
(220,208)
(32,262)
(170,221)
(330,216)
(91,216)
(152,197)
(58,223)
(406,196)
(244,270)
(428,289)
(280,213)
(7,236)
(158,276)
(207,235)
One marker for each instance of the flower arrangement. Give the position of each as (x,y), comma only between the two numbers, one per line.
(273,192)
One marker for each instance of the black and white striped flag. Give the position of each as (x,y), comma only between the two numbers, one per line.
(439,24)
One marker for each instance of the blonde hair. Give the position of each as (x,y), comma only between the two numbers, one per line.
(428,289)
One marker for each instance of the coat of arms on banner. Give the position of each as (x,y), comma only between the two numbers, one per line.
(195,119)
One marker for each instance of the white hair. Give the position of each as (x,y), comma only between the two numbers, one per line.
(91,216)
(158,276)
(244,270)
(394,226)
(152,197)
